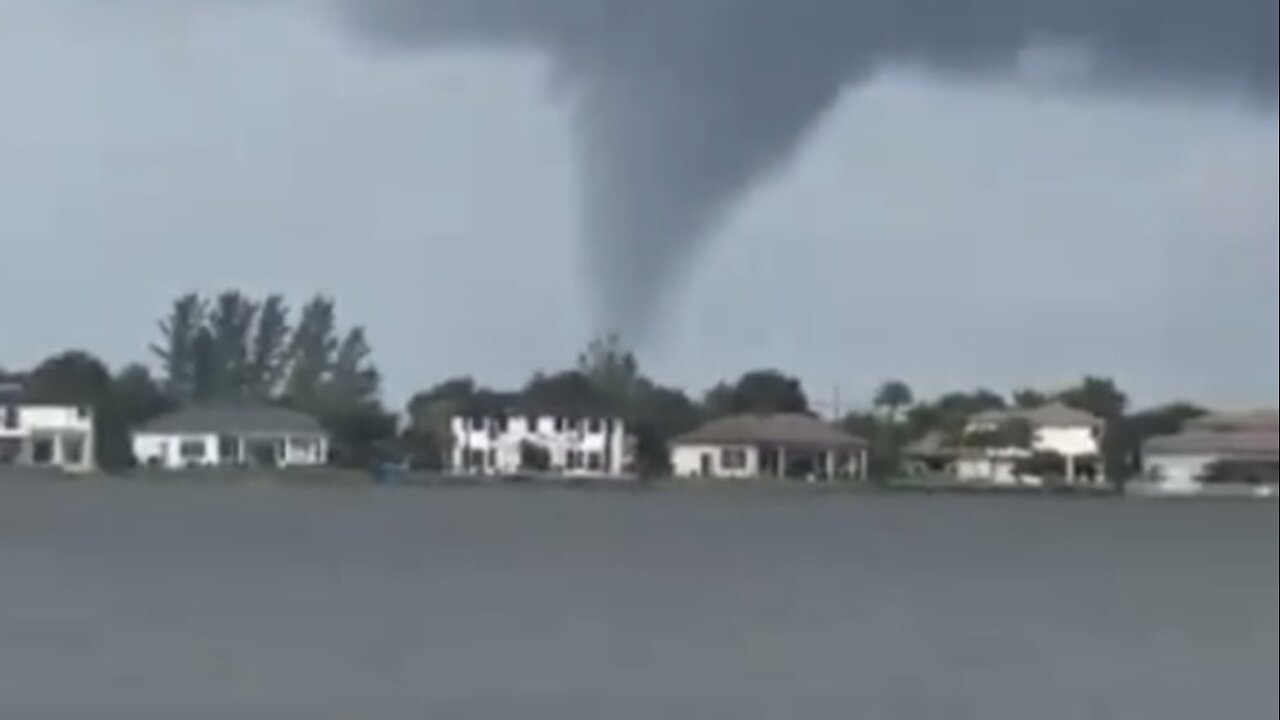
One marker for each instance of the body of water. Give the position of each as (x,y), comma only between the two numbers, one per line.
(269,601)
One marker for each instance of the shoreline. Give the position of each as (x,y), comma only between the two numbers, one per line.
(337,478)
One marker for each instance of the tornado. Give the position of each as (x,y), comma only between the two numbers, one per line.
(681,106)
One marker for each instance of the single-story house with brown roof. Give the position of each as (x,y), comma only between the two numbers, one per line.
(790,445)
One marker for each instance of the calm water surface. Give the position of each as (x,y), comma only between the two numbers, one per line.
(120,600)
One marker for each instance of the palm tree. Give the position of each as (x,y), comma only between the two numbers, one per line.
(893,396)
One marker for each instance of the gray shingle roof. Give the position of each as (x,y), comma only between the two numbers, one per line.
(1250,445)
(1051,415)
(232,418)
(794,430)
(1249,421)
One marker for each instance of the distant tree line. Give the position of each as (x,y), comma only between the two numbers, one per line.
(235,348)
(231,348)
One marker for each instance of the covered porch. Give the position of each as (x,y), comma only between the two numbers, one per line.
(810,462)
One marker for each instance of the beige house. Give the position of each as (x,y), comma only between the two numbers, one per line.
(793,446)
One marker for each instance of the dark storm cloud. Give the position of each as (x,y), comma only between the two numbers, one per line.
(682,104)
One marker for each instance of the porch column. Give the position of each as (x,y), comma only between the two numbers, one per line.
(830,456)
(1071,469)
(863,471)
(781,471)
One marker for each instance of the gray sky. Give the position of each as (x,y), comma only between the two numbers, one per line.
(952,234)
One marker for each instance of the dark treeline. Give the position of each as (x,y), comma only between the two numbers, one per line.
(235,348)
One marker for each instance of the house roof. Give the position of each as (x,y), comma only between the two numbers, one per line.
(1054,414)
(933,444)
(791,429)
(234,418)
(1250,445)
(1251,420)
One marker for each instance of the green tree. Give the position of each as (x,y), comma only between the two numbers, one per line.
(269,355)
(950,413)
(656,416)
(78,378)
(759,391)
(567,393)
(428,439)
(176,350)
(892,397)
(1098,396)
(885,438)
(1126,435)
(611,367)
(205,375)
(312,351)
(354,380)
(139,397)
(231,325)
(1028,399)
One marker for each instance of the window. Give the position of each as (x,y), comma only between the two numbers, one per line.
(532,423)
(573,459)
(594,461)
(73,450)
(559,424)
(10,417)
(42,451)
(571,424)
(474,459)
(477,423)
(190,450)
(493,458)
(501,424)
(594,426)
(733,458)
(82,412)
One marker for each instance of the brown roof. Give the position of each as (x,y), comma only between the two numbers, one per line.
(795,430)
(1051,415)
(1244,445)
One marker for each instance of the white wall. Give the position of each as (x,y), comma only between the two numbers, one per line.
(165,451)
(997,466)
(1176,472)
(60,424)
(1066,441)
(49,418)
(686,461)
(501,448)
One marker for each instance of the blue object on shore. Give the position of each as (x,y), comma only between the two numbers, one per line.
(388,474)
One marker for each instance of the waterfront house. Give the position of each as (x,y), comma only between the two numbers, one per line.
(44,435)
(1052,443)
(231,434)
(789,445)
(1222,448)
(530,442)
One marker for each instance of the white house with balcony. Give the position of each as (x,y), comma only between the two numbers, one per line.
(540,444)
(59,437)
(1062,434)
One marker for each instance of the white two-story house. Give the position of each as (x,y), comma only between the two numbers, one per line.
(540,444)
(1071,438)
(50,436)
